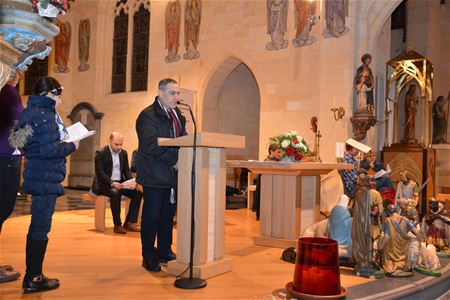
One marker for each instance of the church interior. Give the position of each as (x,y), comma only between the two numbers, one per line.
(330,75)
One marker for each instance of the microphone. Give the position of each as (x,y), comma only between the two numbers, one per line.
(181,103)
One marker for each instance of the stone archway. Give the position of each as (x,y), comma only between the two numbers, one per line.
(231,104)
(82,169)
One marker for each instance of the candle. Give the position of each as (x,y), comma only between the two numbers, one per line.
(340,149)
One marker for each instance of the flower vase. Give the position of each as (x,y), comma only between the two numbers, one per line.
(289,159)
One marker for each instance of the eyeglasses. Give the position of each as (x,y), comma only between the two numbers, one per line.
(56,91)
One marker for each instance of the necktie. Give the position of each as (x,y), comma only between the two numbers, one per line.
(176,124)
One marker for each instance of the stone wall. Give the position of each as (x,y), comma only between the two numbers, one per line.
(294,84)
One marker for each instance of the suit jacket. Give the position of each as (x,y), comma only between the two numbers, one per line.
(103,170)
(155,164)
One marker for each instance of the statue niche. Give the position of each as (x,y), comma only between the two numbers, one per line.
(82,168)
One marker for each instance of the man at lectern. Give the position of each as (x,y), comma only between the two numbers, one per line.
(157,173)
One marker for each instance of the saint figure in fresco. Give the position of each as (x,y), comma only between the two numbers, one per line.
(62,48)
(335,18)
(173,20)
(277,24)
(306,19)
(84,36)
(192,20)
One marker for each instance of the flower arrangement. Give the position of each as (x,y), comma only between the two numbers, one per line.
(51,8)
(292,146)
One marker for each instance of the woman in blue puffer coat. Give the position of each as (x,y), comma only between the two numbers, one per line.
(41,134)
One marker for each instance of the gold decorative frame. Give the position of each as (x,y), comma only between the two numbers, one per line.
(407,68)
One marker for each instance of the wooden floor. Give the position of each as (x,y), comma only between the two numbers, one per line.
(93,265)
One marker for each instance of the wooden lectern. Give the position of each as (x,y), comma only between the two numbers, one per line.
(290,198)
(210,200)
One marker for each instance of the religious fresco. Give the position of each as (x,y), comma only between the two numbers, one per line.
(84,36)
(62,47)
(335,13)
(277,11)
(192,20)
(306,18)
(173,21)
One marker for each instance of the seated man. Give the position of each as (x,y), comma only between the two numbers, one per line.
(111,171)
(274,155)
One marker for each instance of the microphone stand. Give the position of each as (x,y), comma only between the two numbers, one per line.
(191,282)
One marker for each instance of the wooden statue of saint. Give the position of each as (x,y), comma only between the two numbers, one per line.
(411,103)
(62,47)
(173,21)
(84,36)
(440,119)
(365,84)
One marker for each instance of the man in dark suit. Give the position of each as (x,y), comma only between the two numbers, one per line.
(157,173)
(111,175)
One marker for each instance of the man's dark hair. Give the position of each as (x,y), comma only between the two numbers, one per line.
(164,82)
(273,147)
(348,147)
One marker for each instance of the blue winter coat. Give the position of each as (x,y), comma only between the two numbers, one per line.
(45,153)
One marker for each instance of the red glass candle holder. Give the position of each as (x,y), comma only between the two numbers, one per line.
(317,267)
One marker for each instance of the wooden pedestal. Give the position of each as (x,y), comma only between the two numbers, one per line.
(419,162)
(210,182)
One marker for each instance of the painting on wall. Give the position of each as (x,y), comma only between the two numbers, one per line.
(84,36)
(192,20)
(173,21)
(335,13)
(277,24)
(305,19)
(62,47)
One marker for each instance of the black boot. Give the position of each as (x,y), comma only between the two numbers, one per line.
(34,280)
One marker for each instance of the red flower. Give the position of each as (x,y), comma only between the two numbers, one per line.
(289,151)
(295,141)
(298,157)
(295,152)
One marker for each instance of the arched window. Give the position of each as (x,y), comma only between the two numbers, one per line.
(120,47)
(139,63)
(36,70)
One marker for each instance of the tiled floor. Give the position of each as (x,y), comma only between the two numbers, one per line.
(72,200)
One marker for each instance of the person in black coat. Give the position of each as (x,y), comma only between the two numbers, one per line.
(111,170)
(157,173)
(41,134)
